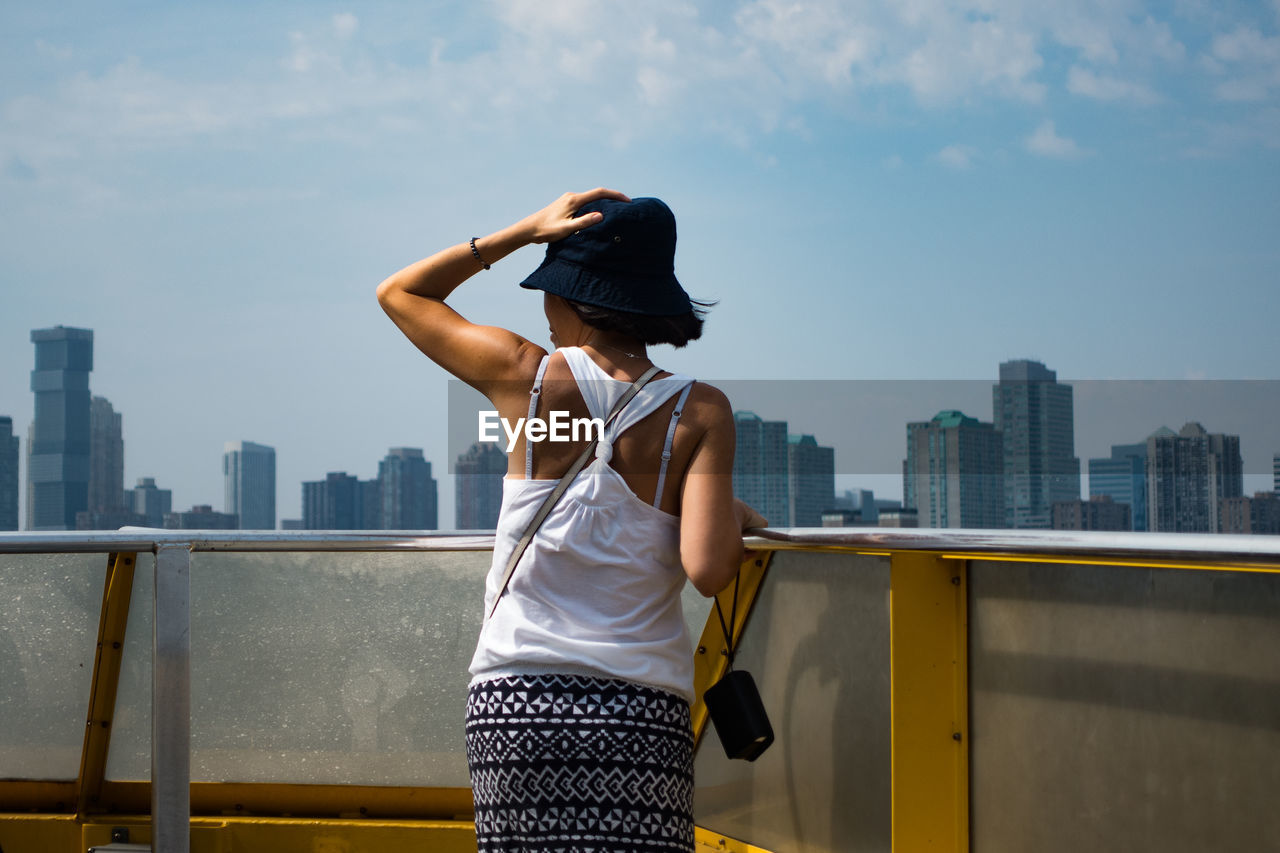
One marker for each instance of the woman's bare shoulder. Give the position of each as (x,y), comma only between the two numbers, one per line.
(708,406)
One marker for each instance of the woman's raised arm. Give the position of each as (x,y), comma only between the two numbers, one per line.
(414,297)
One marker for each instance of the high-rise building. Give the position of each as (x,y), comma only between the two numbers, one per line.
(1189,473)
(1100,512)
(106,457)
(58,444)
(1123,478)
(8,475)
(150,502)
(1275,473)
(334,503)
(761,467)
(409,494)
(249,472)
(811,489)
(1258,514)
(370,515)
(201,517)
(1034,415)
(953,474)
(477,479)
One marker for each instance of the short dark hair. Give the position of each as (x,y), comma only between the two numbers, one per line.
(677,330)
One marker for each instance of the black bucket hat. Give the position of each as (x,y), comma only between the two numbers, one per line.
(625,262)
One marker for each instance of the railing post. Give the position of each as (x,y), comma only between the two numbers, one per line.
(171,702)
(929,703)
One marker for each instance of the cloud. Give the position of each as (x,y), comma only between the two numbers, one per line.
(1046,142)
(1082,81)
(345,25)
(1249,60)
(956,156)
(623,73)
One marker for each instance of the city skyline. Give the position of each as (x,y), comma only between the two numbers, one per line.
(869,192)
(1014,370)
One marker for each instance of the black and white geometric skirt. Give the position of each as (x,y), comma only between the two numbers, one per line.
(577,764)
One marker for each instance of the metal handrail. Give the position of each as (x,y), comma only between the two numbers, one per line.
(1193,547)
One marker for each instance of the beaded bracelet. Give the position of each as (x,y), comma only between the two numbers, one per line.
(476,252)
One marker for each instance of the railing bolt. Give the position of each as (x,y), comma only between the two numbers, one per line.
(702,650)
(955,736)
(955,580)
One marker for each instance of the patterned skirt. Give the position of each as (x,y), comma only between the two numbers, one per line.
(576,764)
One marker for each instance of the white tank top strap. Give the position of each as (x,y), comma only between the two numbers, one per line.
(534,393)
(601,391)
(666,446)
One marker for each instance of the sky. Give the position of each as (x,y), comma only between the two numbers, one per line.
(870,190)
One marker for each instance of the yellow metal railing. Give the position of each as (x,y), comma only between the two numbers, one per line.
(866,646)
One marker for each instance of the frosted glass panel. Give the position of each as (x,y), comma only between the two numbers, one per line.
(817,644)
(129,755)
(323,668)
(48,636)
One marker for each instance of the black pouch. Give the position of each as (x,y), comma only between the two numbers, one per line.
(734,702)
(738,714)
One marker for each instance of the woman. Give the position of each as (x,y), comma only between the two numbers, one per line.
(578,731)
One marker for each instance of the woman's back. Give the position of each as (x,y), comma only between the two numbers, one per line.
(598,590)
(637,450)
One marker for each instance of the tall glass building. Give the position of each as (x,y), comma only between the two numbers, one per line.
(812,487)
(953,472)
(1035,416)
(58,449)
(761,468)
(1189,473)
(106,457)
(409,493)
(8,475)
(477,479)
(1123,478)
(249,471)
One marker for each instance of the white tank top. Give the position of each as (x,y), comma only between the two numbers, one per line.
(598,590)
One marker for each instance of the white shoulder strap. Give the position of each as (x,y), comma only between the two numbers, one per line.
(666,446)
(534,394)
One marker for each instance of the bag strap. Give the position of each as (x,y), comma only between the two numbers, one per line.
(552,499)
(728,629)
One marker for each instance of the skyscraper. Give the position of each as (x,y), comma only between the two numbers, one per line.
(1189,473)
(106,457)
(953,474)
(249,472)
(8,475)
(1275,473)
(477,478)
(150,502)
(1123,478)
(409,495)
(58,447)
(1035,417)
(341,502)
(761,469)
(811,470)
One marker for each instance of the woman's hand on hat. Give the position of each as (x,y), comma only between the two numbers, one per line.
(558,219)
